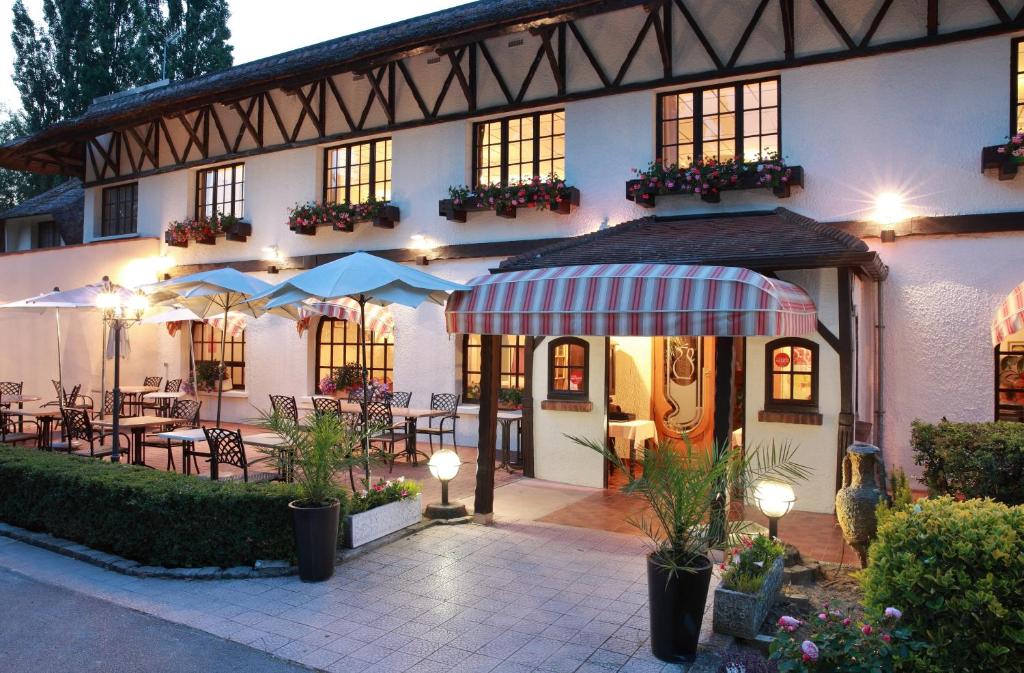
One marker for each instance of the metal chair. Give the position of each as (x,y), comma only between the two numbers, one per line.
(227,447)
(400,400)
(285,406)
(152,381)
(9,388)
(172,386)
(78,429)
(380,419)
(13,431)
(184,414)
(441,402)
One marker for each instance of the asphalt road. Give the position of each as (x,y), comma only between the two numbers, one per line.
(46,629)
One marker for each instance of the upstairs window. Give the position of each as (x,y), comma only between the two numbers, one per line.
(569,369)
(791,380)
(120,210)
(1017,113)
(358,172)
(513,365)
(738,120)
(221,191)
(47,235)
(518,148)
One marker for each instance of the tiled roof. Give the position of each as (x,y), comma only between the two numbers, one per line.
(763,240)
(65,203)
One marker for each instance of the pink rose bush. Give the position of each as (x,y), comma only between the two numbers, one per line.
(836,643)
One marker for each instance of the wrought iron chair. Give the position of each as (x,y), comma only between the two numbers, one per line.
(172,386)
(78,430)
(184,414)
(12,430)
(386,433)
(9,388)
(152,381)
(441,402)
(227,447)
(285,406)
(72,398)
(400,400)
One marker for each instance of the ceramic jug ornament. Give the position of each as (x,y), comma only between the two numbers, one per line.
(863,488)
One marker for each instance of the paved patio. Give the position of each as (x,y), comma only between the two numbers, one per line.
(514,597)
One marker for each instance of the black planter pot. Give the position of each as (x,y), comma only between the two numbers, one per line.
(316,539)
(677,609)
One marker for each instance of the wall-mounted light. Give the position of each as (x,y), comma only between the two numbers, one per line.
(273,254)
(273,269)
(890,208)
(424,246)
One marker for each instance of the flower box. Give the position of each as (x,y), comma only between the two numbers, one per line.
(375,523)
(455,210)
(645,194)
(740,614)
(996,157)
(206,232)
(305,219)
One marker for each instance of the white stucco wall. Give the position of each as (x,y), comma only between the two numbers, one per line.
(634,370)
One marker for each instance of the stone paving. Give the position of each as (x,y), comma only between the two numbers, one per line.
(512,597)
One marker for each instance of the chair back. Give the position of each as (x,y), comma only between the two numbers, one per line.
(285,406)
(445,402)
(173,386)
(69,398)
(327,405)
(401,400)
(187,410)
(108,403)
(10,387)
(226,447)
(152,381)
(378,414)
(77,424)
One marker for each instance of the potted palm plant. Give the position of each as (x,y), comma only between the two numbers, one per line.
(684,488)
(314,453)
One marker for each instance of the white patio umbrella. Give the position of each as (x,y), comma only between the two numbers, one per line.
(219,291)
(366,279)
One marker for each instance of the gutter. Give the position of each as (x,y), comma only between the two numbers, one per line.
(879,361)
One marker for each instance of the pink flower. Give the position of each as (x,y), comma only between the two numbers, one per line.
(378,487)
(822,616)
(788,623)
(810,650)
(887,638)
(866,629)
(846,622)
(893,613)
(404,493)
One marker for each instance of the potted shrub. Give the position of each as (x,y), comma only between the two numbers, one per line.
(685,489)
(206,376)
(382,509)
(315,452)
(751,579)
(510,398)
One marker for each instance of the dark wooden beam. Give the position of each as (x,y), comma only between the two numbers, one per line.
(830,338)
(212,111)
(557,66)
(528,78)
(490,375)
(589,54)
(837,25)
(699,32)
(933,17)
(341,104)
(1000,11)
(413,89)
(747,32)
(634,48)
(495,72)
(846,373)
(278,122)
(875,23)
(527,439)
(788,11)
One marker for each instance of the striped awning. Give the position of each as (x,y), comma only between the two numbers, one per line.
(236,323)
(632,300)
(378,318)
(1009,318)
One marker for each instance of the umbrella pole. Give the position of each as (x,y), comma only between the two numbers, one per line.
(366,389)
(223,341)
(60,369)
(192,361)
(103,366)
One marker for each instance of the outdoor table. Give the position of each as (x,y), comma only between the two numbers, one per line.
(273,441)
(165,400)
(20,401)
(44,419)
(629,433)
(506,418)
(138,425)
(132,395)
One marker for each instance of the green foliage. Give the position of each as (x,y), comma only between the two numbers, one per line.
(956,569)
(681,487)
(900,496)
(748,566)
(206,374)
(835,643)
(382,493)
(153,517)
(972,460)
(512,397)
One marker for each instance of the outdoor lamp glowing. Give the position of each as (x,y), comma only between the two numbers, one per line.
(774,499)
(444,466)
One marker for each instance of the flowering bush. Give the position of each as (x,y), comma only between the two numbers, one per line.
(1014,149)
(708,177)
(835,643)
(338,215)
(542,194)
(327,386)
(748,566)
(197,229)
(382,493)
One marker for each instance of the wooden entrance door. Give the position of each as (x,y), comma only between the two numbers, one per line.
(684,388)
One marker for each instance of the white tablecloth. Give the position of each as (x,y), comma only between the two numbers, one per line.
(624,432)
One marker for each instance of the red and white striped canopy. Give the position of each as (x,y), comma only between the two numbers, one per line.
(632,300)
(1009,317)
(378,318)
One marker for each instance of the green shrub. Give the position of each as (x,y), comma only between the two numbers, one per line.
(956,570)
(973,460)
(149,516)
(748,566)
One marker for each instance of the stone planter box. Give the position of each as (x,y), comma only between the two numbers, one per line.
(738,614)
(380,521)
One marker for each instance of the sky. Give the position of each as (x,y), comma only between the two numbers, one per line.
(259,27)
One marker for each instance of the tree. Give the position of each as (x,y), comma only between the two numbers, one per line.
(84,49)
(16,186)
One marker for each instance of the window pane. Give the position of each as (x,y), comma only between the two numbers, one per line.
(781,387)
(119,212)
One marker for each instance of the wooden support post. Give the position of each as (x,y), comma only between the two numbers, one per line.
(526,446)
(724,396)
(490,368)
(846,373)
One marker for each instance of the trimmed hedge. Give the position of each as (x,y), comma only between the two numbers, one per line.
(956,570)
(153,517)
(972,460)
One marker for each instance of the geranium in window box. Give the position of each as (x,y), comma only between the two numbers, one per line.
(710,177)
(506,199)
(1004,158)
(306,218)
(201,230)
